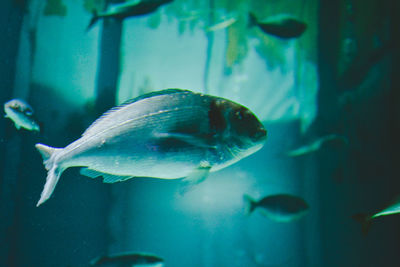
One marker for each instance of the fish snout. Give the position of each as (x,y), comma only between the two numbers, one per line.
(260,135)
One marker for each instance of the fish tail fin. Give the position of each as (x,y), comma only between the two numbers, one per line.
(250,204)
(93,21)
(365,221)
(252,20)
(36,127)
(53,170)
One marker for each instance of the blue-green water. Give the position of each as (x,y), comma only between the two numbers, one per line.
(339,77)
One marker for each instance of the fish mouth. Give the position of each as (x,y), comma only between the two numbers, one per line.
(260,136)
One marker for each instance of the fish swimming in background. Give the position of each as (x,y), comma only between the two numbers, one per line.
(316,145)
(128,260)
(21,114)
(167,134)
(280,208)
(366,219)
(284,27)
(221,25)
(130,8)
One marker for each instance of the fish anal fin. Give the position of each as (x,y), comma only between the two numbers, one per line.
(90,173)
(111,178)
(107,178)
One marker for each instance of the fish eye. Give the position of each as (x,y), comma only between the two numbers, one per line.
(239,114)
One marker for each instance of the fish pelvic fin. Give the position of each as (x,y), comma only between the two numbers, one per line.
(365,220)
(250,204)
(194,178)
(93,21)
(53,171)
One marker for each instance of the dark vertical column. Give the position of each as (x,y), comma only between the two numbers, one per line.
(210,44)
(328,49)
(10,25)
(109,62)
(395,75)
(106,88)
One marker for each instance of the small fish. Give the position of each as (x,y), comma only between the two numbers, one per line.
(128,260)
(221,25)
(128,9)
(167,134)
(284,27)
(366,219)
(280,208)
(21,114)
(316,145)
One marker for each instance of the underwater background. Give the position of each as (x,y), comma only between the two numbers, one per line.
(339,78)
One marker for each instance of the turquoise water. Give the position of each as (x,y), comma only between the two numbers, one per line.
(339,77)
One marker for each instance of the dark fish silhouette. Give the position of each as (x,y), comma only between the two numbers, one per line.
(168,134)
(316,145)
(366,219)
(280,208)
(128,9)
(285,28)
(128,260)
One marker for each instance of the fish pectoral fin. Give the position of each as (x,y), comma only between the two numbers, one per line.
(197,176)
(107,178)
(187,138)
(17,126)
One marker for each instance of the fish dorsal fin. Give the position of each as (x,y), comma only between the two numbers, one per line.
(109,115)
(157,93)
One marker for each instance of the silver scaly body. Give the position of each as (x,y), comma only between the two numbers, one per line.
(169,134)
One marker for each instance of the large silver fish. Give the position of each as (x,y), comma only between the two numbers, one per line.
(21,113)
(167,134)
